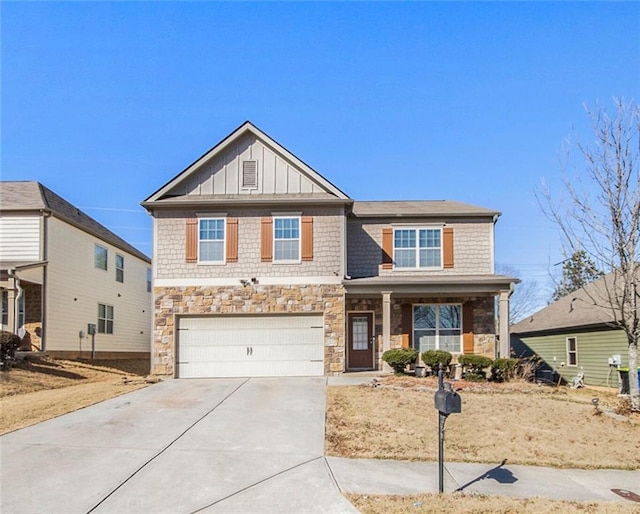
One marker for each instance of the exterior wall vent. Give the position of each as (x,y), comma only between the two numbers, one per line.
(249,174)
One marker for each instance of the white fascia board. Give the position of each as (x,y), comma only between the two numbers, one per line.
(236,281)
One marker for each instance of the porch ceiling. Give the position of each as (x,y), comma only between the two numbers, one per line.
(415,285)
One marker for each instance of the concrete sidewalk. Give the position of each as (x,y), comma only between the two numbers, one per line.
(365,476)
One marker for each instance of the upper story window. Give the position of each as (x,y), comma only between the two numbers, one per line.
(417,247)
(437,327)
(100,257)
(211,240)
(105,319)
(286,239)
(119,268)
(148,280)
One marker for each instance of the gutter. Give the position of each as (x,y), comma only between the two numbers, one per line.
(16,300)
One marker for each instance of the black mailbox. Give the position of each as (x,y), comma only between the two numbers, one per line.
(448,402)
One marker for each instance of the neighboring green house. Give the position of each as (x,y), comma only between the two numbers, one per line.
(575,334)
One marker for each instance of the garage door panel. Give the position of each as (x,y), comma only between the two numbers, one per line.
(260,346)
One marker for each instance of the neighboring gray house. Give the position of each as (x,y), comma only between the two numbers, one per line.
(61,270)
(575,334)
(262,267)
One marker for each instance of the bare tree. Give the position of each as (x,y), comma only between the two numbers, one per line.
(602,217)
(525,299)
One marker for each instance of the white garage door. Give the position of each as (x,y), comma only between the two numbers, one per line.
(251,346)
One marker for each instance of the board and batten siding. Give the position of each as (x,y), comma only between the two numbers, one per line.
(20,238)
(75,287)
(594,348)
(222,175)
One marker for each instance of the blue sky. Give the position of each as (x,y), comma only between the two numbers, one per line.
(105,102)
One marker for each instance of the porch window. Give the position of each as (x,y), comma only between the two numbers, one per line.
(437,327)
(417,248)
(5,308)
(572,351)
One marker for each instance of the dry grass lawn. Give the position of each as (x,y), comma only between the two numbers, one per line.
(46,388)
(476,504)
(524,424)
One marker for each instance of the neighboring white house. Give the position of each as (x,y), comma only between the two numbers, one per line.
(62,272)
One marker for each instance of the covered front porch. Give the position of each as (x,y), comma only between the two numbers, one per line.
(461,315)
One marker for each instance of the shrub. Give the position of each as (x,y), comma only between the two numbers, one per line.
(433,359)
(503,370)
(9,343)
(474,366)
(399,358)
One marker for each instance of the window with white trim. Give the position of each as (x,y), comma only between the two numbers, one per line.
(286,238)
(105,319)
(119,268)
(211,240)
(572,351)
(417,247)
(437,327)
(100,258)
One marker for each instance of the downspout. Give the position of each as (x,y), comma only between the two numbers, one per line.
(16,301)
(43,293)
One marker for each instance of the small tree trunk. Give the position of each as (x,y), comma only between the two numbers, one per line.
(633,375)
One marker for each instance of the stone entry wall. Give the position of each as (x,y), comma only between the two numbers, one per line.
(484,328)
(174,301)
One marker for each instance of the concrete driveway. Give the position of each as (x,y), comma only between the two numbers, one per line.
(180,446)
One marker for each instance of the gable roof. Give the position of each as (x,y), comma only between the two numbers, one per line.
(29,196)
(581,309)
(246,128)
(419,209)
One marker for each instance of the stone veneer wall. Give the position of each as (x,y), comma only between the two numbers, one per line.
(175,301)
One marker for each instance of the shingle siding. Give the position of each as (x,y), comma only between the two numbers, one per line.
(473,252)
(327,243)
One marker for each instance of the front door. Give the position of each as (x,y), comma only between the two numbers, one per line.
(361,347)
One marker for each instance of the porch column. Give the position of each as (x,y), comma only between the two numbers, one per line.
(386,326)
(503,319)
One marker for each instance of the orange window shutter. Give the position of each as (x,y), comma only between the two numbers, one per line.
(307,238)
(387,248)
(191,240)
(266,240)
(447,247)
(467,328)
(232,239)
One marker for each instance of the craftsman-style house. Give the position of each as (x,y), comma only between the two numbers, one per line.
(262,267)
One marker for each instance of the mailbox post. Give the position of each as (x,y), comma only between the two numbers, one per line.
(447,401)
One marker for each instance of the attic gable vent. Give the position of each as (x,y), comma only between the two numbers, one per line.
(249,174)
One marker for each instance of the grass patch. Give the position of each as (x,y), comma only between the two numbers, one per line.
(525,424)
(477,504)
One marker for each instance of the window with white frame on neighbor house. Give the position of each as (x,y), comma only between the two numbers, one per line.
(148,280)
(437,327)
(105,319)
(100,257)
(119,268)
(572,351)
(417,247)
(211,240)
(286,239)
